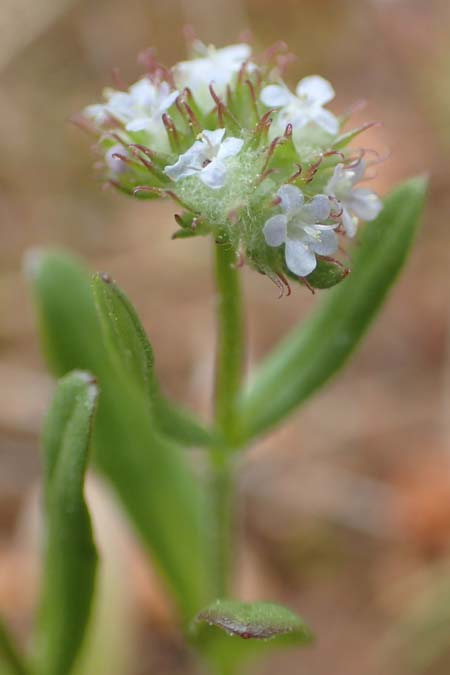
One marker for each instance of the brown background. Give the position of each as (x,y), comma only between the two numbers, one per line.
(346,510)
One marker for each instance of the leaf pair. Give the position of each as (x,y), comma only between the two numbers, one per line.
(148,470)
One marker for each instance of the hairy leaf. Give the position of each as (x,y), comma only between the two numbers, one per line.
(70,555)
(318,348)
(151,475)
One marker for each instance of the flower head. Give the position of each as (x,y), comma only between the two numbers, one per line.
(355,202)
(206,158)
(302,229)
(210,66)
(305,106)
(262,169)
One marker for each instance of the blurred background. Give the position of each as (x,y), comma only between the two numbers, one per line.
(346,510)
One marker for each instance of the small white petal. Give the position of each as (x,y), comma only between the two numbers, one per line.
(235,53)
(275,96)
(98,113)
(357,172)
(231,146)
(318,209)
(349,222)
(214,174)
(213,137)
(139,124)
(179,170)
(299,257)
(335,180)
(365,203)
(316,89)
(326,243)
(275,230)
(291,198)
(168,100)
(326,120)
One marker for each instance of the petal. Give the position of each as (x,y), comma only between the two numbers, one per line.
(235,54)
(231,146)
(168,100)
(326,120)
(317,210)
(325,243)
(139,124)
(299,257)
(188,164)
(291,198)
(275,96)
(336,178)
(214,174)
(275,230)
(179,170)
(143,92)
(213,138)
(97,112)
(349,222)
(315,88)
(365,203)
(357,172)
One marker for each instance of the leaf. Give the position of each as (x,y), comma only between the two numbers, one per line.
(257,620)
(230,633)
(149,473)
(11,662)
(312,353)
(77,342)
(70,562)
(130,350)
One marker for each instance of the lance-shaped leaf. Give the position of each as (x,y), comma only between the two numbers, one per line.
(61,288)
(150,474)
(130,349)
(316,350)
(70,558)
(230,633)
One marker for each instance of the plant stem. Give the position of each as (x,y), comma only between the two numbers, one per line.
(230,351)
(229,370)
(9,652)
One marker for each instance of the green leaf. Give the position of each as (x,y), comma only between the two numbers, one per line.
(312,353)
(70,555)
(11,662)
(256,620)
(150,474)
(229,632)
(130,350)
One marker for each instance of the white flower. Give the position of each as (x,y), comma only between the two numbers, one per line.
(312,93)
(213,66)
(362,202)
(301,228)
(206,158)
(139,109)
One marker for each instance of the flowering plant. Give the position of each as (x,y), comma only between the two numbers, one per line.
(270,175)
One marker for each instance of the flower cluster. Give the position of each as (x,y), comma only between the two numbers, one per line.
(265,170)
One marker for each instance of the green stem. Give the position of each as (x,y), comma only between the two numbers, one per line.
(9,652)
(229,370)
(230,350)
